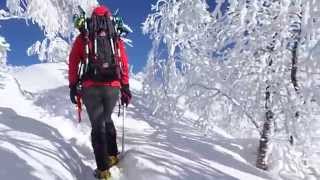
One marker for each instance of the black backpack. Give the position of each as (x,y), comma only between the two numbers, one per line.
(103,62)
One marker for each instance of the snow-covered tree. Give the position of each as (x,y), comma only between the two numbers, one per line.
(54,17)
(253,67)
(56,50)
(177,26)
(4,47)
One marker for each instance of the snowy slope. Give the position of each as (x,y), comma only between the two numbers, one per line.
(41,139)
(39,77)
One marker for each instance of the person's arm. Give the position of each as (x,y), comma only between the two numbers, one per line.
(124,63)
(74,60)
(125,90)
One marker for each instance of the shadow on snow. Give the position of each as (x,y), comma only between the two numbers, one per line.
(15,166)
(180,152)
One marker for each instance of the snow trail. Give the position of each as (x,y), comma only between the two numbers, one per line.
(41,139)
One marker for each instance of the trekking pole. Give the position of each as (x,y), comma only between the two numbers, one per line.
(79,108)
(123,118)
(119,107)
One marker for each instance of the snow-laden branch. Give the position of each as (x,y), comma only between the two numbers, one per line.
(231,99)
(4,47)
(54,18)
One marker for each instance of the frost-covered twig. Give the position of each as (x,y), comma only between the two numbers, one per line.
(231,99)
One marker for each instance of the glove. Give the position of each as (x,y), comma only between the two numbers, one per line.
(73,94)
(125,94)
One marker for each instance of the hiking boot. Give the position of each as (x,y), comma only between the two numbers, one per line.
(112,160)
(102,175)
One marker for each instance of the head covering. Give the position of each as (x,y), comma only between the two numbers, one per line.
(101,11)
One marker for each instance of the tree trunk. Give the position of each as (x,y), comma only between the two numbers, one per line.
(294,66)
(295,35)
(294,81)
(264,144)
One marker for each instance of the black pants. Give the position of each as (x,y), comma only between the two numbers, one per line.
(100,102)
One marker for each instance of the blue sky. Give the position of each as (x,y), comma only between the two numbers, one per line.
(21,36)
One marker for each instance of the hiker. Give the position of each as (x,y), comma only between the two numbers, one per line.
(105,78)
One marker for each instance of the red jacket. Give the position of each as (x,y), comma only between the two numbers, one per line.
(77,54)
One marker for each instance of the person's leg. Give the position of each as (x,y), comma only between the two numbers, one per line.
(93,100)
(111,139)
(110,99)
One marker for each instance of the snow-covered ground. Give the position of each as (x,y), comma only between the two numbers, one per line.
(41,138)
